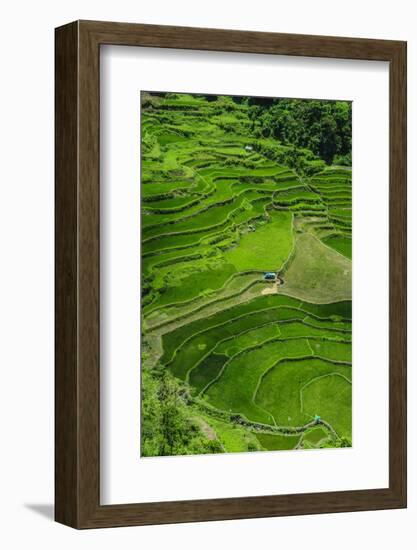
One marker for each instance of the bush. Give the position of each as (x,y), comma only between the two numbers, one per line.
(168,427)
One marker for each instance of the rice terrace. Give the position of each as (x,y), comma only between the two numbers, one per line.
(246,218)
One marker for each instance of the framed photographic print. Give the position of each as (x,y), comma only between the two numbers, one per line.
(230,274)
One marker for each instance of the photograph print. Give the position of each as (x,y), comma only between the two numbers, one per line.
(246,267)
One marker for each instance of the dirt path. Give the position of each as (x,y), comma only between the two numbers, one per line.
(272,289)
(206,429)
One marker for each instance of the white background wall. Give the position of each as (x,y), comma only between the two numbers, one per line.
(26,271)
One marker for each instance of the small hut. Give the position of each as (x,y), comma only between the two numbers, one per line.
(270,276)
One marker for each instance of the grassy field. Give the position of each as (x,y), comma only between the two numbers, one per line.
(317,273)
(254,250)
(232,189)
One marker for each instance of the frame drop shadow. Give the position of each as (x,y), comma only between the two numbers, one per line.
(45,510)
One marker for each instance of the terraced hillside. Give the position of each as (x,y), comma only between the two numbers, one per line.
(246,284)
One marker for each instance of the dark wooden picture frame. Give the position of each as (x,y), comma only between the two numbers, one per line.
(77,382)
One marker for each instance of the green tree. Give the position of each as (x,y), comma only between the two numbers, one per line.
(168,426)
(322,127)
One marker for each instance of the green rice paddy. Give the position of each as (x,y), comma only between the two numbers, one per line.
(252,364)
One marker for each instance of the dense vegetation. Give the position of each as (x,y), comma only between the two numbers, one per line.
(323,127)
(167,428)
(233,188)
